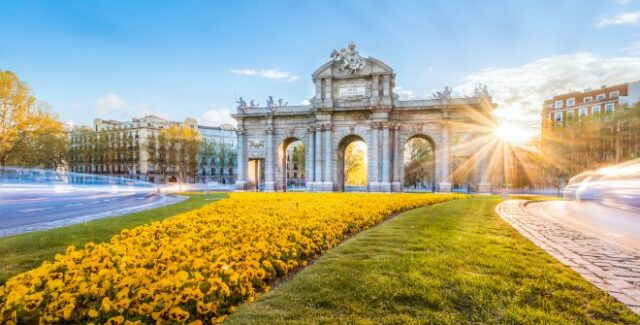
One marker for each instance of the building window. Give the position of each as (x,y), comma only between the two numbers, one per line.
(595,109)
(582,113)
(601,97)
(558,117)
(587,99)
(608,108)
(569,116)
(571,102)
(614,94)
(558,104)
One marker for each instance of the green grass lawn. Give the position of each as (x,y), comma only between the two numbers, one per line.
(454,262)
(23,252)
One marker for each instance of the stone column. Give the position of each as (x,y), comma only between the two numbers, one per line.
(374,160)
(386,87)
(375,95)
(396,183)
(328,93)
(327,184)
(241,182)
(385,184)
(269,164)
(483,173)
(318,83)
(445,182)
(310,159)
(317,185)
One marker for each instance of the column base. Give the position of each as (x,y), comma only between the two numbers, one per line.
(444,187)
(308,186)
(385,187)
(241,185)
(269,186)
(374,186)
(396,187)
(327,186)
(484,187)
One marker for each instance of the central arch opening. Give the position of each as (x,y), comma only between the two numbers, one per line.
(418,164)
(352,164)
(292,165)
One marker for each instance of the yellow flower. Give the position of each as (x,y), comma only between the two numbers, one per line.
(220,255)
(203,308)
(93,313)
(178,314)
(106,305)
(116,320)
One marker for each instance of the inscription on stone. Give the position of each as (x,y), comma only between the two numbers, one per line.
(352,90)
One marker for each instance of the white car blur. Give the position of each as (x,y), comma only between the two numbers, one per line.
(616,186)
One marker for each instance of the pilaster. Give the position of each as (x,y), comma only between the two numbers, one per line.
(269,168)
(444,185)
(396,183)
(310,159)
(385,184)
(374,160)
(241,182)
(327,184)
(317,185)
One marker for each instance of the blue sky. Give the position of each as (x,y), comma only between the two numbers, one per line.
(118,59)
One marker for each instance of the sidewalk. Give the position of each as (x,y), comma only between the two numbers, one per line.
(608,267)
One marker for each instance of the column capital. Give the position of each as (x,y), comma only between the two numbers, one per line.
(311,129)
(375,125)
(326,127)
(270,130)
(240,131)
(396,127)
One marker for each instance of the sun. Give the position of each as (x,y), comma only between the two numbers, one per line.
(509,132)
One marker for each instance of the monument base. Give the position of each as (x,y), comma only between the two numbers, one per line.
(327,186)
(374,186)
(269,186)
(484,187)
(385,187)
(396,187)
(241,185)
(444,187)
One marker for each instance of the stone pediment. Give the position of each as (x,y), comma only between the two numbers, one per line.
(332,70)
(351,81)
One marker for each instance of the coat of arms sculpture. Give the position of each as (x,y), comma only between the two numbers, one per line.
(349,59)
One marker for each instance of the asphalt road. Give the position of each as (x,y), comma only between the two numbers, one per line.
(42,208)
(617,226)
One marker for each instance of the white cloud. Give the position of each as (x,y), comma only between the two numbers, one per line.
(404,93)
(216,117)
(305,102)
(633,48)
(266,73)
(625,18)
(109,104)
(520,91)
(113,106)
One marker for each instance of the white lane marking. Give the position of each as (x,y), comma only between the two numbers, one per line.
(141,198)
(108,200)
(73,205)
(94,202)
(34,209)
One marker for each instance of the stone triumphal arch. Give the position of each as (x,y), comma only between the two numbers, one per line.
(354,100)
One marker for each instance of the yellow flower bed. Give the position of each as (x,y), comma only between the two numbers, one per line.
(196,266)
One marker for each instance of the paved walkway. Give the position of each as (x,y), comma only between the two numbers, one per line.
(608,267)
